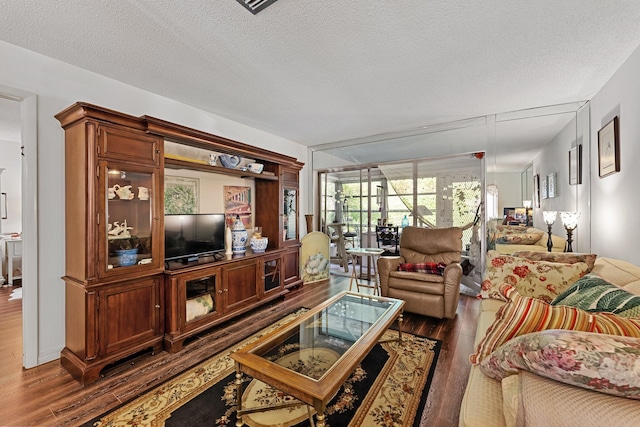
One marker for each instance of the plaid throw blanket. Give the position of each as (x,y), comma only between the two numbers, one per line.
(424,267)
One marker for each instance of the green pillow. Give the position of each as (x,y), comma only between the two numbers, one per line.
(593,293)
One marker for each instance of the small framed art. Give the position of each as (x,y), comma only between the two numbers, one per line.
(536,191)
(552,189)
(545,187)
(609,149)
(575,165)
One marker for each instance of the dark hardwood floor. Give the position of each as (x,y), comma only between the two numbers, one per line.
(48,396)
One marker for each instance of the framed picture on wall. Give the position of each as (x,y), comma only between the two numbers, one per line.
(536,191)
(545,188)
(575,165)
(552,191)
(609,149)
(181,195)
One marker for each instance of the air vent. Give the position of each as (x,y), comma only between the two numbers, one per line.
(255,6)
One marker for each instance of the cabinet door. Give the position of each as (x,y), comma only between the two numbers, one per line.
(200,298)
(291,267)
(128,145)
(290,212)
(272,279)
(129,314)
(241,281)
(129,220)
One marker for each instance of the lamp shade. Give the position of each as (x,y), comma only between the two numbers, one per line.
(570,219)
(526,204)
(549,217)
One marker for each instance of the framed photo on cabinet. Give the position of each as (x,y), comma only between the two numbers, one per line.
(609,149)
(575,165)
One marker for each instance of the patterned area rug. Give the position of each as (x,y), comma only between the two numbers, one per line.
(388,389)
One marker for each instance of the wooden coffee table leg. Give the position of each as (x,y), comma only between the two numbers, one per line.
(400,327)
(319,407)
(239,422)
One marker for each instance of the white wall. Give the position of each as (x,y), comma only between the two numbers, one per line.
(608,205)
(615,199)
(555,159)
(509,190)
(57,86)
(11,178)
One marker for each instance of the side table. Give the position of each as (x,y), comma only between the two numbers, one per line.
(372,255)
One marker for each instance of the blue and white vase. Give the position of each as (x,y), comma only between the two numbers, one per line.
(239,237)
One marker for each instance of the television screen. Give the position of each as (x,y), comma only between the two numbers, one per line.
(193,235)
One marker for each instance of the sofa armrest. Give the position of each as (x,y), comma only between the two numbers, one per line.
(385,266)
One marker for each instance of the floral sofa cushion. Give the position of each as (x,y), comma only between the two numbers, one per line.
(523,315)
(538,279)
(561,257)
(605,363)
(593,293)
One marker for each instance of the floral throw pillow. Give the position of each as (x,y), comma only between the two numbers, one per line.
(605,363)
(562,257)
(537,279)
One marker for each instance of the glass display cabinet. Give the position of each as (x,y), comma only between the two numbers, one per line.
(129,217)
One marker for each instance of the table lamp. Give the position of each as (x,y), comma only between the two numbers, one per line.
(527,207)
(549,219)
(570,222)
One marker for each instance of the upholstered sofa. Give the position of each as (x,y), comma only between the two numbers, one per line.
(430,293)
(528,397)
(508,239)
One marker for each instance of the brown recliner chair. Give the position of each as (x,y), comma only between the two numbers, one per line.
(427,294)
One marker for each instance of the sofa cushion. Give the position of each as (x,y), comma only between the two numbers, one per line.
(605,363)
(539,279)
(518,238)
(571,406)
(593,293)
(512,228)
(424,267)
(510,399)
(562,257)
(523,315)
(616,271)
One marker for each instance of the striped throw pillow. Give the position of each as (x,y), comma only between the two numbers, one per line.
(523,315)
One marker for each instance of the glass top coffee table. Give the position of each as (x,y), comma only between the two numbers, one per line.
(312,356)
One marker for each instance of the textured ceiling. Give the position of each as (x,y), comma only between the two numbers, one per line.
(333,70)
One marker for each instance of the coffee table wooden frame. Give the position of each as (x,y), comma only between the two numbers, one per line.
(316,393)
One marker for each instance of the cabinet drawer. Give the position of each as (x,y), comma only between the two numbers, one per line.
(130,146)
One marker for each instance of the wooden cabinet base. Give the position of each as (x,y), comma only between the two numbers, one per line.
(174,342)
(202,296)
(88,371)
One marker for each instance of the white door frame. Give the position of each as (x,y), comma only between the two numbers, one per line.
(29,136)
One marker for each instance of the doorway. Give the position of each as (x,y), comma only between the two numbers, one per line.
(11,225)
(27,105)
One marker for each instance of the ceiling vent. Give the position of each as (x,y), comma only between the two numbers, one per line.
(255,6)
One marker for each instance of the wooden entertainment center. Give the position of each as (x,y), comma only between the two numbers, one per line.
(121,295)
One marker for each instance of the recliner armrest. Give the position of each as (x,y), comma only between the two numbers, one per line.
(385,266)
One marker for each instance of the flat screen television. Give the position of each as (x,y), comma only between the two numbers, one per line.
(188,237)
